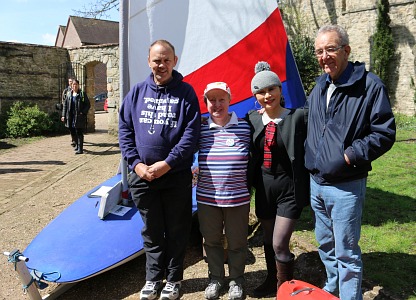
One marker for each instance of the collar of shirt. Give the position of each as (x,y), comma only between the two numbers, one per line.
(344,76)
(233,121)
(266,119)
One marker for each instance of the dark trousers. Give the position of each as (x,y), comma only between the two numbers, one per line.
(212,221)
(76,133)
(165,205)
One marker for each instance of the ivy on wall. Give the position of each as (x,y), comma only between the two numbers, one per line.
(413,87)
(382,50)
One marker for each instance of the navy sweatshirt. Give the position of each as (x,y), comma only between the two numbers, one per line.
(160,123)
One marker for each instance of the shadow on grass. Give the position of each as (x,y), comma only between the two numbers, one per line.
(389,271)
(409,140)
(394,272)
(381,207)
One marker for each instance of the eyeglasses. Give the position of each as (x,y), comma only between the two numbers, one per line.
(329,50)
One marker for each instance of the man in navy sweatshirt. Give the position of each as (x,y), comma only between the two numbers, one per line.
(158,133)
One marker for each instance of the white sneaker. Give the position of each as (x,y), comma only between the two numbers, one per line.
(171,291)
(213,290)
(150,290)
(235,292)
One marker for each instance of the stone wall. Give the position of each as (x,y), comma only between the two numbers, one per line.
(359,18)
(90,56)
(30,73)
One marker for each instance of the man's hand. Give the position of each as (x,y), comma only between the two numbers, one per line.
(159,169)
(347,160)
(142,171)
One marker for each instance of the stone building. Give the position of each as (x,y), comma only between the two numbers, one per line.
(86,31)
(92,57)
(86,49)
(93,45)
(359,18)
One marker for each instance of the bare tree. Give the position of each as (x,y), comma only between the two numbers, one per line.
(98,9)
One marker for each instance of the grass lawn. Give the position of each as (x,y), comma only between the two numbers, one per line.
(388,238)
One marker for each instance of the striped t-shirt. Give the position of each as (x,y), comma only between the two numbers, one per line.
(223,159)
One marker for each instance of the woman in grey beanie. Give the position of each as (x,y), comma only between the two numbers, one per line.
(277,158)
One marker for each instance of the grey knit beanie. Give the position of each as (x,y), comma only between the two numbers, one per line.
(264,77)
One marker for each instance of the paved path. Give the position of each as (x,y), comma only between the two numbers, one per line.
(39,180)
(28,170)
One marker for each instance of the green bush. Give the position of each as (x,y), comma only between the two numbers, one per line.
(302,45)
(57,126)
(308,67)
(26,121)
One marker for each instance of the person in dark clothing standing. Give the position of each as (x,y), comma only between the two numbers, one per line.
(74,114)
(159,129)
(66,90)
(277,171)
(350,124)
(60,106)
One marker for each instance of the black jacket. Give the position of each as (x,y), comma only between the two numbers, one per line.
(293,132)
(76,116)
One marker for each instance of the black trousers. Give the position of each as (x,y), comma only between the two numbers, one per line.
(77,133)
(165,205)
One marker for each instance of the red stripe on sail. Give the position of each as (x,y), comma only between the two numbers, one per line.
(236,65)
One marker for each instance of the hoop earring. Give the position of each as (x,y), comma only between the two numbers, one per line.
(255,105)
(282,101)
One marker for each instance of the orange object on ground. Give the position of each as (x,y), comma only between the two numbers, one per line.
(300,290)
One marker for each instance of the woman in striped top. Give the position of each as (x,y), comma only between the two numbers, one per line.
(222,193)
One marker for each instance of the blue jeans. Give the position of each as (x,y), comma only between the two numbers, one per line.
(338,210)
